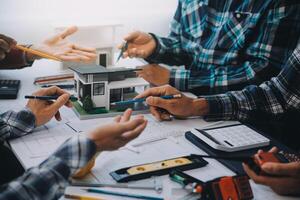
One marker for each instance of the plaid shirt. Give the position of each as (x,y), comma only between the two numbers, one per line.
(227,45)
(276,96)
(49,179)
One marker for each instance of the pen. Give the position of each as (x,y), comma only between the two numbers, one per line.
(48,98)
(113,186)
(123,49)
(136,196)
(176,96)
(37,53)
(60,86)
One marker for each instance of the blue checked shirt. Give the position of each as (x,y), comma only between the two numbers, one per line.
(276,96)
(228,44)
(49,179)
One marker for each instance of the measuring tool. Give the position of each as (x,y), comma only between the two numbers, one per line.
(158,168)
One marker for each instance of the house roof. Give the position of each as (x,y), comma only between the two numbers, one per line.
(96,69)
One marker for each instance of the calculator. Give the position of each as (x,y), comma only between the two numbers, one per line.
(232,138)
(9,89)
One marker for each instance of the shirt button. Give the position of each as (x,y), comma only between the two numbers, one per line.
(238,15)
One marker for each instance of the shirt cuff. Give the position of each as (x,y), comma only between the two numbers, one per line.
(221,107)
(179,79)
(76,152)
(157,51)
(23,121)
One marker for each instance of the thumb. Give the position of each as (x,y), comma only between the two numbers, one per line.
(288,169)
(158,102)
(132,36)
(61,100)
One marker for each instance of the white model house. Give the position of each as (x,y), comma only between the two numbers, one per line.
(105,85)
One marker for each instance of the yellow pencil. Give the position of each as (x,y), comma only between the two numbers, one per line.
(37,53)
(77,197)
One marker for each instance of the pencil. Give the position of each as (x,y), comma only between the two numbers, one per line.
(176,96)
(136,196)
(37,53)
(48,98)
(77,197)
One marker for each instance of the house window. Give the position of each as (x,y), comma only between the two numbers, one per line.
(103,59)
(75,85)
(98,89)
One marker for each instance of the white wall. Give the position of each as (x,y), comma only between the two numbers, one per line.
(30,20)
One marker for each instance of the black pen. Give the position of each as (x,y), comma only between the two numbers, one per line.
(48,98)
(71,86)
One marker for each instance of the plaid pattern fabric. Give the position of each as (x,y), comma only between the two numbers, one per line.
(16,124)
(49,179)
(226,45)
(276,96)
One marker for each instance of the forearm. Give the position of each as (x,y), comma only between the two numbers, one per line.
(15,124)
(49,179)
(239,105)
(169,51)
(16,59)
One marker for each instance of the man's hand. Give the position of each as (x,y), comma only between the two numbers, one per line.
(6,43)
(59,47)
(155,74)
(45,110)
(283,178)
(182,107)
(119,133)
(140,45)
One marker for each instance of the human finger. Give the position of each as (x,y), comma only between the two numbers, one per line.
(282,169)
(85,49)
(2,55)
(4,45)
(61,100)
(74,57)
(126,115)
(130,125)
(68,31)
(161,103)
(132,52)
(155,113)
(130,135)
(155,91)
(274,150)
(9,40)
(132,36)
(58,116)
(84,53)
(117,119)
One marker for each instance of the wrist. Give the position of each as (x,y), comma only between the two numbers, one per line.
(155,47)
(30,57)
(200,107)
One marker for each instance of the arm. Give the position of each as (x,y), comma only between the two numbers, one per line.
(274,96)
(15,59)
(16,124)
(257,54)
(48,180)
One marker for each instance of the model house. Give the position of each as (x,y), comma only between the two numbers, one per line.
(106,85)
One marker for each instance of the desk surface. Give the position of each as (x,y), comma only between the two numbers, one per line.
(109,161)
